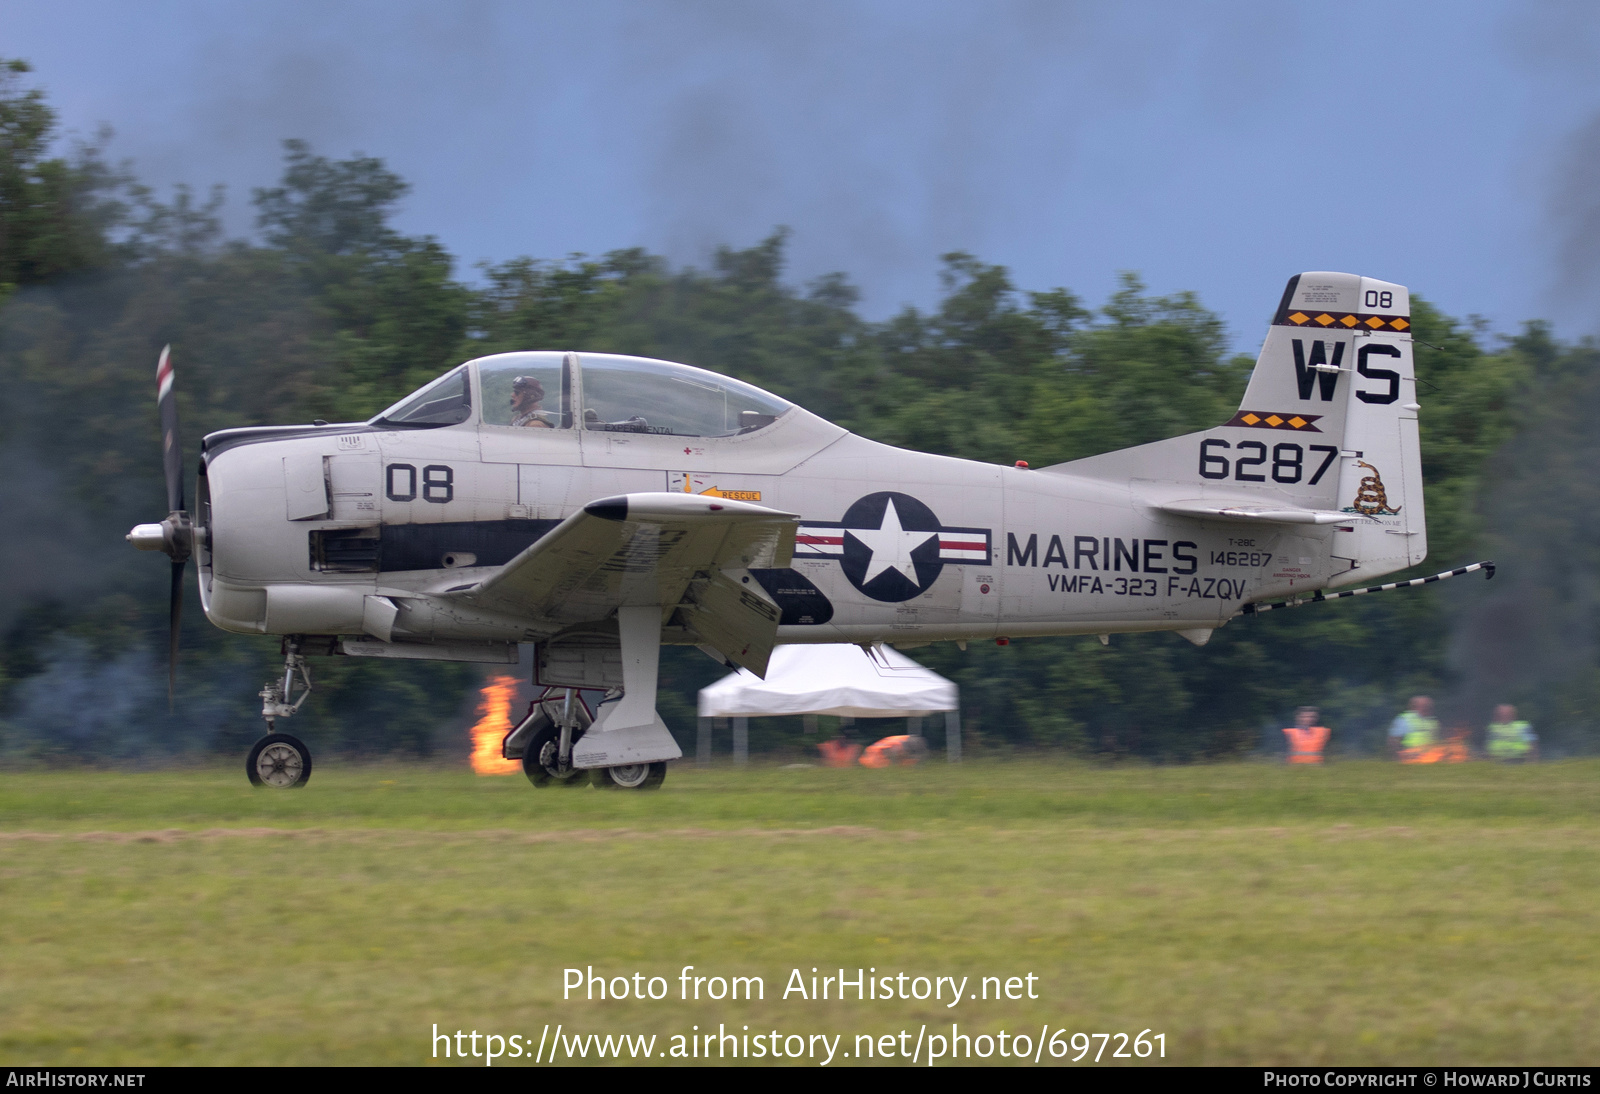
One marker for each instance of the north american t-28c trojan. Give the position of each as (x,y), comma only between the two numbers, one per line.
(598,506)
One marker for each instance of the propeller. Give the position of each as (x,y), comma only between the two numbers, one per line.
(175,535)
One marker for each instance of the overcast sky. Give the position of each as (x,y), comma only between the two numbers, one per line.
(1453,147)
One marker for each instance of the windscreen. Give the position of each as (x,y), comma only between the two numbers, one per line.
(446,401)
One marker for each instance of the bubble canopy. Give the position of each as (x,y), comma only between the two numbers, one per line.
(597,392)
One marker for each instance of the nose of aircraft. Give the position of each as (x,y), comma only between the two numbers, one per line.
(148,537)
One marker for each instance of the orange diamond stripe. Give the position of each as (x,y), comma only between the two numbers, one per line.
(1348,320)
(1274,421)
(1297,421)
(1251,419)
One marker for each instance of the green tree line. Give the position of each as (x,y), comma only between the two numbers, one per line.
(328,312)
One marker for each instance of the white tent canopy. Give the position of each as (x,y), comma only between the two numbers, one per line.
(832,679)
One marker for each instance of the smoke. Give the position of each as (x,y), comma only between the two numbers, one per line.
(1557,44)
(1530,638)
(1576,206)
(104,700)
(55,551)
(886,136)
(883,134)
(89,706)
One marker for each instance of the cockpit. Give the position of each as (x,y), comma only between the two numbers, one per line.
(598,392)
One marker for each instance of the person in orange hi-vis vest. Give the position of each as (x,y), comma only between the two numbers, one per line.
(1306,738)
(903,750)
(839,752)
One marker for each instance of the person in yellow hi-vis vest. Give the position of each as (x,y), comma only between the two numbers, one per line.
(1510,740)
(1306,738)
(1414,735)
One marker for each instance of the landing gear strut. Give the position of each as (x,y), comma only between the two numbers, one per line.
(546,740)
(280,760)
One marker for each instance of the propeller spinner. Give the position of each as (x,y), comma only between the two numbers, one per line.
(175,535)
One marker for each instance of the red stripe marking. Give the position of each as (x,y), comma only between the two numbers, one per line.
(963,545)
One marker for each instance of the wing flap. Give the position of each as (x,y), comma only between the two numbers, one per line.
(734,615)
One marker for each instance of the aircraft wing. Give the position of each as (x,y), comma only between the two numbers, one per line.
(1255,512)
(675,550)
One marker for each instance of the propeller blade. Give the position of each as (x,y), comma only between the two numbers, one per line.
(171,446)
(174,618)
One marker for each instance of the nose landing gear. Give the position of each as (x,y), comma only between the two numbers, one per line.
(279,760)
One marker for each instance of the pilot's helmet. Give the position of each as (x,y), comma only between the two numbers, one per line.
(531,385)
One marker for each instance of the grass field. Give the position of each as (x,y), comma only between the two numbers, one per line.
(1361,913)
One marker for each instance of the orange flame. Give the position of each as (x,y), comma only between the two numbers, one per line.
(493,725)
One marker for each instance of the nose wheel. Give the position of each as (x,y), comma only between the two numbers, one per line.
(280,761)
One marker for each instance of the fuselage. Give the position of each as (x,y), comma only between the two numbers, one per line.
(892,545)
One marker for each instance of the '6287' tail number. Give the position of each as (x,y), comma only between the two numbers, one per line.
(1251,463)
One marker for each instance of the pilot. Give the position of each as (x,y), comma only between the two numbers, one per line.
(527,393)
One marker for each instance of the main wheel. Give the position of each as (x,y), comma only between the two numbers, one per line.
(631,776)
(280,761)
(541,760)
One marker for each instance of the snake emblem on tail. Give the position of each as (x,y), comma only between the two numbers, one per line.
(1370,498)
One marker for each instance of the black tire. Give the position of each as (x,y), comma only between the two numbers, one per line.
(279,761)
(631,776)
(539,760)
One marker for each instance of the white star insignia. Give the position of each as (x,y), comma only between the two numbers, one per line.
(891,545)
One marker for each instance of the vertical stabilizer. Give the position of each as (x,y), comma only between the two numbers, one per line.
(1328,426)
(1365,328)
(1341,345)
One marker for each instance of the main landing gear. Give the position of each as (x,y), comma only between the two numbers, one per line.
(545,740)
(624,745)
(279,760)
(631,776)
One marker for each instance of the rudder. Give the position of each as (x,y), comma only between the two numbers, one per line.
(1340,348)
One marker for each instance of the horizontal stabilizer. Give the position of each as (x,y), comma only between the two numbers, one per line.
(1255,512)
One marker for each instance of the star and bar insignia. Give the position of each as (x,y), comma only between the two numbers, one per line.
(891,545)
